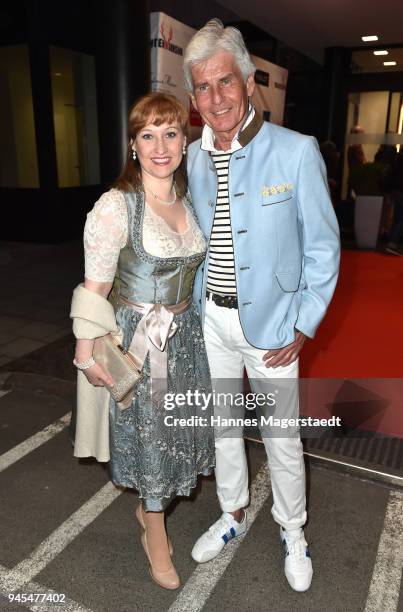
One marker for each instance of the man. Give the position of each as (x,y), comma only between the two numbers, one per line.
(260,192)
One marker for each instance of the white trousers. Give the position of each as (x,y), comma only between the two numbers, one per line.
(228,353)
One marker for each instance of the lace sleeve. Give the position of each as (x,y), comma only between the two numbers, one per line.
(105,233)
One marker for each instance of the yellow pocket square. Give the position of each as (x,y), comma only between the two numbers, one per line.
(274,189)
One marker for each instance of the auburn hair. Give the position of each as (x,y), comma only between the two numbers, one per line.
(155,108)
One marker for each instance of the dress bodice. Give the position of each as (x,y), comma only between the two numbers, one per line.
(162,279)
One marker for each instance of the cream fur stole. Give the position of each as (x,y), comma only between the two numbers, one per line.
(93,316)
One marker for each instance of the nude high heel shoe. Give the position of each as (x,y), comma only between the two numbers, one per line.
(140,519)
(168,579)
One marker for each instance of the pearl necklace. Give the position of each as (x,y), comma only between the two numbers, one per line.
(165,202)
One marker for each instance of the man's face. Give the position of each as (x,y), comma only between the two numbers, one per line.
(220,93)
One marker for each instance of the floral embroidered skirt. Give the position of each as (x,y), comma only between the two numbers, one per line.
(150,452)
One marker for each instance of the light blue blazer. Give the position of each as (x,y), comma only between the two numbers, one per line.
(284,231)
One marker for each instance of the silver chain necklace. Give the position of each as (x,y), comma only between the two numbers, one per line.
(166,202)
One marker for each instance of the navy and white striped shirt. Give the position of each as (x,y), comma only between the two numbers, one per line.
(221,271)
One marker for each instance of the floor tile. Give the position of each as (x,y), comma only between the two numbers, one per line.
(50,315)
(38,330)
(9,324)
(8,336)
(21,346)
(59,334)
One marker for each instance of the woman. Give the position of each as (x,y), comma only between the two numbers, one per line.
(143,235)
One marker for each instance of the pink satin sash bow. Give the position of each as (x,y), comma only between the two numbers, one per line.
(153,331)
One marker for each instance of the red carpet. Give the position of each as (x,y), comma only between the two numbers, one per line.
(362,333)
(360,338)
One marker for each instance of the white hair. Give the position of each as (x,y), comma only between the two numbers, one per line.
(211,39)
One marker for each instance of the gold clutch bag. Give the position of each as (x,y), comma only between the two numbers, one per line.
(121,365)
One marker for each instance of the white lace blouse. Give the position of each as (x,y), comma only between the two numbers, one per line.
(105,234)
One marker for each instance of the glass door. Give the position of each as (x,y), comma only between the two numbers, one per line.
(374,128)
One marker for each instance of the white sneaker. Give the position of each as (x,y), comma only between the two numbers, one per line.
(213,541)
(298,564)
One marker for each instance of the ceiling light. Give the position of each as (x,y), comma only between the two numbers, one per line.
(369,38)
(389,63)
(381,52)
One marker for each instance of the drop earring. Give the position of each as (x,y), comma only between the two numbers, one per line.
(134,155)
(184,150)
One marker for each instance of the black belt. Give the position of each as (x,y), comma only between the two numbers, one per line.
(228,301)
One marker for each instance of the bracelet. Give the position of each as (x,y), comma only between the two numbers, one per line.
(84,365)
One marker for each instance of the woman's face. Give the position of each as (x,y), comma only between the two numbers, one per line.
(159,149)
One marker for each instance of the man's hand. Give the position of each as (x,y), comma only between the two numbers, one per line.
(286,355)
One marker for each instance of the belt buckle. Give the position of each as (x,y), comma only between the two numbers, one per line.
(228,301)
(225,301)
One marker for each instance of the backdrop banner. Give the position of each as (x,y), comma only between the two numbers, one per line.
(270,91)
(169,38)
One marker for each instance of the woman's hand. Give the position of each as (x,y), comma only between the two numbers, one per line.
(98,377)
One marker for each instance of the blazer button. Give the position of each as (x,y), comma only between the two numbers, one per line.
(199,301)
